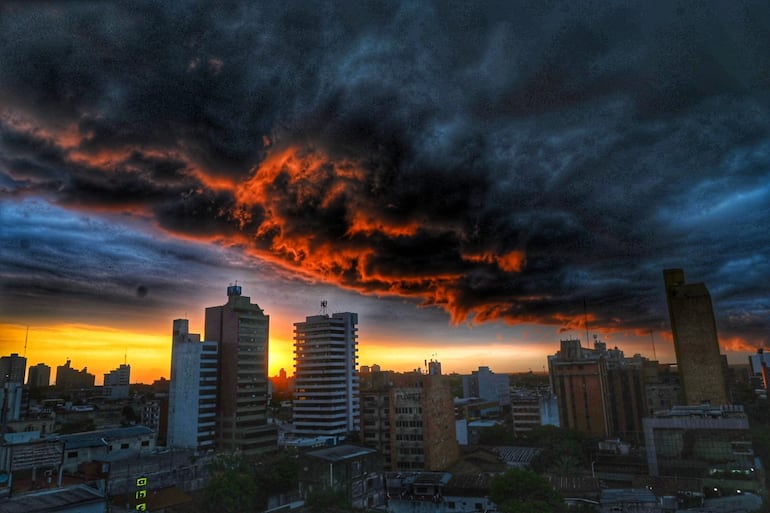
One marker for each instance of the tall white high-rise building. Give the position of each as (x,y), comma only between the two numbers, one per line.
(326,399)
(193,390)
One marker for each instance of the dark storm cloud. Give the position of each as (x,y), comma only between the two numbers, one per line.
(498,160)
(59,264)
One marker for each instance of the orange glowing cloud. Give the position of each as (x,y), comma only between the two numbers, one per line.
(736,344)
(513,261)
(366,224)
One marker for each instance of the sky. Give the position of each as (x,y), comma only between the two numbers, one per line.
(476,180)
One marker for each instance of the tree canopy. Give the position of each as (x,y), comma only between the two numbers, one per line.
(239,484)
(523,491)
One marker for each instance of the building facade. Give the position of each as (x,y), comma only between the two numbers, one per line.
(193,390)
(93,445)
(68,378)
(602,392)
(11,400)
(326,381)
(116,382)
(700,363)
(709,443)
(422,425)
(409,419)
(241,330)
(352,471)
(530,409)
(486,384)
(12,369)
(39,376)
(579,380)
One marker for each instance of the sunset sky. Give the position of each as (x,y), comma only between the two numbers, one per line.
(476,180)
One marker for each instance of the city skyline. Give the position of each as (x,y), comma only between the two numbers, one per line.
(476,182)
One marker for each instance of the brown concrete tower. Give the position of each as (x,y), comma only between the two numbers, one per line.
(694,329)
(241,329)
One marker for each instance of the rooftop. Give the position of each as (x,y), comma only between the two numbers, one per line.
(53,500)
(621,495)
(341,452)
(103,437)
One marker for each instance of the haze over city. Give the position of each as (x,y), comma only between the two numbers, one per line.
(475,181)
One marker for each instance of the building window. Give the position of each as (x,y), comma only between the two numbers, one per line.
(72,454)
(124,446)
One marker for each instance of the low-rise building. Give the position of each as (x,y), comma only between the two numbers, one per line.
(353,471)
(439,492)
(531,408)
(709,443)
(629,500)
(93,445)
(72,499)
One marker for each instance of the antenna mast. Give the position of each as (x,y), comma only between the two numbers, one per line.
(25,341)
(585,320)
(654,356)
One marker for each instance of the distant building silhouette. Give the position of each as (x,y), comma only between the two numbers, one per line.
(39,376)
(241,329)
(12,369)
(193,390)
(326,381)
(69,378)
(701,366)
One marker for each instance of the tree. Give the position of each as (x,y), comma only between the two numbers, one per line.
(239,484)
(560,448)
(323,500)
(523,491)
(231,491)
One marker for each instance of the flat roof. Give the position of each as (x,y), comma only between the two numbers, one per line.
(102,437)
(340,452)
(638,495)
(52,500)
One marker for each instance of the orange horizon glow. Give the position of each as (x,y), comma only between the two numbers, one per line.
(101,349)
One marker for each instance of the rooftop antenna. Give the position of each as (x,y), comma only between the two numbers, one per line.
(324,310)
(25,341)
(652,337)
(125,357)
(585,320)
